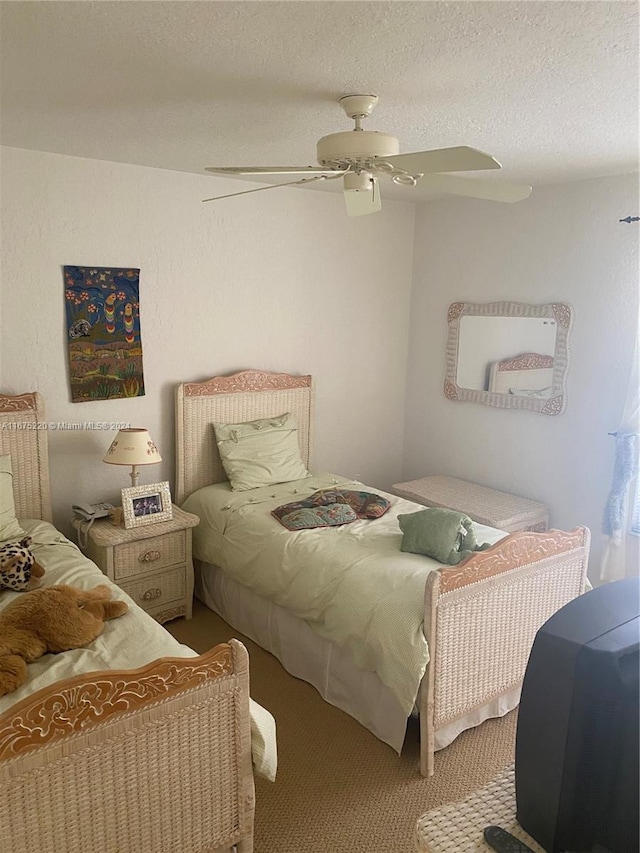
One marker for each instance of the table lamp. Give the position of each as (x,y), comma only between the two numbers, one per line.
(132,446)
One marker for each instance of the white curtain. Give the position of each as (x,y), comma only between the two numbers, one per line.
(616,561)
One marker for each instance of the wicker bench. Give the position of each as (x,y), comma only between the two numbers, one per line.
(457,827)
(486,506)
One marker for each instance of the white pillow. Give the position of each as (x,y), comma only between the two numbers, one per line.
(261,452)
(10,530)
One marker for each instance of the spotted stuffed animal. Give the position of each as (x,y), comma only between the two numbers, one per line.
(19,569)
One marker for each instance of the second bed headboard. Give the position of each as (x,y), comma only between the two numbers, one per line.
(23,437)
(528,372)
(239,397)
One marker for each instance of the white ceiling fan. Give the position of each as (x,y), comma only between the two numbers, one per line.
(360,157)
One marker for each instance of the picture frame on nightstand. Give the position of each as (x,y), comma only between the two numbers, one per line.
(146,504)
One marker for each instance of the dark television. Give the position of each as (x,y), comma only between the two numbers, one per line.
(577,751)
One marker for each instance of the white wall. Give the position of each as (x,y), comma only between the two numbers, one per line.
(281,280)
(563,244)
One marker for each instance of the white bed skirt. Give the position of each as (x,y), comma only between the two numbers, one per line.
(330,669)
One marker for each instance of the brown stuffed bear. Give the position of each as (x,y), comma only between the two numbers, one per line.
(53,619)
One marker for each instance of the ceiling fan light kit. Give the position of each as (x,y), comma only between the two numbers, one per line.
(358,182)
(361,194)
(360,156)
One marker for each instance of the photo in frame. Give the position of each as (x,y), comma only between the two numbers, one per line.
(146,504)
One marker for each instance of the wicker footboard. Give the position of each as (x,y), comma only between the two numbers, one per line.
(140,761)
(482,617)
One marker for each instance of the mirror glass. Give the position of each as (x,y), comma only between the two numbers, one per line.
(508,354)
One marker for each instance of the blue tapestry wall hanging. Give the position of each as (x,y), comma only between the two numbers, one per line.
(103,331)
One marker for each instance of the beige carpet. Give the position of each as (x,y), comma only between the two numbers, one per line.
(339,789)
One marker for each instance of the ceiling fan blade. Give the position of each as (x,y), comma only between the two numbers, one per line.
(270,187)
(460,159)
(476,188)
(362,202)
(273,170)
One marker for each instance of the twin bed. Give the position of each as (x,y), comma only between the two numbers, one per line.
(134,743)
(381,634)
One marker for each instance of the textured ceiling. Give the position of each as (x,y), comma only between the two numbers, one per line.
(549,88)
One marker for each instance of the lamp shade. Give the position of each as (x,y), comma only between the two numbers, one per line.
(132,446)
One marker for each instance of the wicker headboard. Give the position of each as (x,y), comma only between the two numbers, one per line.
(529,371)
(240,397)
(23,435)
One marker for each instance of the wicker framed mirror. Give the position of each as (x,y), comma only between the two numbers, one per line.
(509,355)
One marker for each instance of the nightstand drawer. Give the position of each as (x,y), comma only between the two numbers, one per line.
(134,558)
(160,589)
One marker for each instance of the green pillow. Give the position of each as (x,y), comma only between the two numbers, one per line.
(9,528)
(444,534)
(261,452)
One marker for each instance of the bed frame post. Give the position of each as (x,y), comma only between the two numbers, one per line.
(427,688)
(180,495)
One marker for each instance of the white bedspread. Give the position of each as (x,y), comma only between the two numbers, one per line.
(128,642)
(351,584)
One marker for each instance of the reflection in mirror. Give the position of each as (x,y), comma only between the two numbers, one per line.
(508,354)
(486,341)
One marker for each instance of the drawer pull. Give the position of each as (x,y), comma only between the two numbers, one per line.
(149,556)
(150,594)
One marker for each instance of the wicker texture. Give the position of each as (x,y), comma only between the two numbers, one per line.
(164,588)
(507,381)
(492,664)
(486,506)
(200,405)
(152,563)
(559,311)
(23,435)
(130,558)
(457,827)
(104,533)
(109,803)
(480,632)
(164,614)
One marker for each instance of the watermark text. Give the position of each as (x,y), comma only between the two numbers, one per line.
(61,426)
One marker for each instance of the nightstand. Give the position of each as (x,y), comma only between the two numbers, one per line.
(151,563)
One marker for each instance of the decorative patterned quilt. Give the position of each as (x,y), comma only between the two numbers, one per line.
(329,508)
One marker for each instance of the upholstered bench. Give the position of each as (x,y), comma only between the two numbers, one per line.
(457,827)
(486,506)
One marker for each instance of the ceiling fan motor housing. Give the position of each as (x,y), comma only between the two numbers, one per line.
(355,148)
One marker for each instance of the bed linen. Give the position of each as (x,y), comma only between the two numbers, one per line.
(126,643)
(352,585)
(330,669)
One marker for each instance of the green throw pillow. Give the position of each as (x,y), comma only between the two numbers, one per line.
(443,534)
